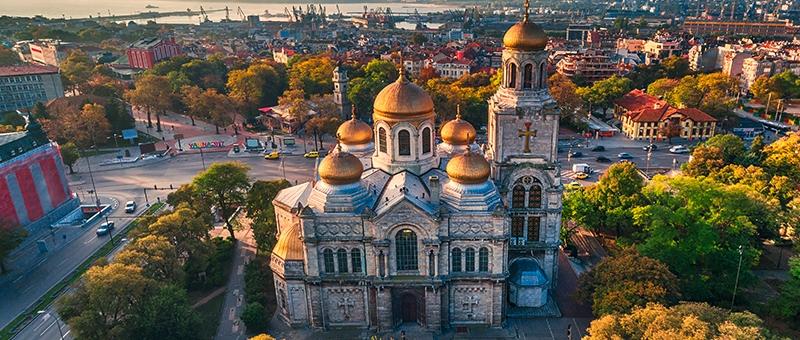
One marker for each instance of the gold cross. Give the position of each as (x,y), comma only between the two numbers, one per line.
(527,133)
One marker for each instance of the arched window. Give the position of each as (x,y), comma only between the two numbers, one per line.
(535,196)
(517,226)
(327,256)
(542,76)
(456,260)
(512,75)
(341,257)
(518,197)
(533,228)
(469,260)
(527,76)
(403,143)
(483,260)
(355,255)
(426,140)
(406,247)
(382,140)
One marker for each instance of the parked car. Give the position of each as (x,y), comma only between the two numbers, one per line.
(599,148)
(581,167)
(105,228)
(272,155)
(650,147)
(679,149)
(130,207)
(575,154)
(573,186)
(312,154)
(624,155)
(581,175)
(602,159)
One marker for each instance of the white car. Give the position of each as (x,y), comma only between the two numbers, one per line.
(130,207)
(679,149)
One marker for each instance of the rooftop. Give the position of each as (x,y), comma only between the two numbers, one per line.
(26,69)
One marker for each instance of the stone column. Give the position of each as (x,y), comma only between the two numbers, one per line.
(433,308)
(497,304)
(315,302)
(550,265)
(385,309)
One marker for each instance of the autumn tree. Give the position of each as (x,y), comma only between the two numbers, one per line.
(295,104)
(70,155)
(76,70)
(151,93)
(312,75)
(620,283)
(192,100)
(165,314)
(157,257)
(85,128)
(8,57)
(662,88)
(10,237)
(689,320)
(186,232)
(675,66)
(563,90)
(258,85)
(260,210)
(226,185)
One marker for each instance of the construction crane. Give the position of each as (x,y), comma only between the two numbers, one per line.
(289,14)
(241,13)
(203,15)
(227,14)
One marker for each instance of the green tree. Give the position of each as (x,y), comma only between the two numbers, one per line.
(787,304)
(622,282)
(254,316)
(105,300)
(226,185)
(70,155)
(185,230)
(603,93)
(10,238)
(165,314)
(295,103)
(695,226)
(260,210)
(688,320)
(662,88)
(189,195)
(258,85)
(39,111)
(76,70)
(157,257)
(418,38)
(117,116)
(675,67)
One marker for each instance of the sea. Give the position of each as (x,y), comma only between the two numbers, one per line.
(75,9)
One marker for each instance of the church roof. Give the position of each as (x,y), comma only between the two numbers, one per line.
(293,195)
(404,186)
(526,272)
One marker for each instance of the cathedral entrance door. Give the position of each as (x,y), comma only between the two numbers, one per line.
(408,308)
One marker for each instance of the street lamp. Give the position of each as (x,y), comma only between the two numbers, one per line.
(96,197)
(738,269)
(58,324)
(202,158)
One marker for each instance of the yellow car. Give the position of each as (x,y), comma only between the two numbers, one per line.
(581,175)
(272,155)
(573,186)
(312,154)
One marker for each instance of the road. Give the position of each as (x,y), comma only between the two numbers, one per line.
(129,184)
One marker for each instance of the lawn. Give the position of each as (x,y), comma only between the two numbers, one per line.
(210,314)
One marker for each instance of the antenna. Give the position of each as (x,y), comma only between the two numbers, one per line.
(527,9)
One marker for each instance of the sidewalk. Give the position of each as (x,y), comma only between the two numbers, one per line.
(231,325)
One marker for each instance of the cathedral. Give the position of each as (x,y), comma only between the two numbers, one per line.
(399,230)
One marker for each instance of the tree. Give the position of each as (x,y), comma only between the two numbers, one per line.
(787,304)
(187,233)
(675,67)
(254,316)
(606,206)
(166,314)
(8,57)
(105,300)
(76,70)
(312,75)
(260,84)
(603,93)
(295,103)
(70,155)
(189,195)
(689,320)
(191,96)
(226,184)
(695,226)
(670,130)
(620,283)
(262,337)
(781,157)
(563,90)
(157,257)
(151,93)
(86,127)
(39,111)
(260,210)
(731,147)
(662,88)
(10,238)
(221,109)
(418,38)
(117,116)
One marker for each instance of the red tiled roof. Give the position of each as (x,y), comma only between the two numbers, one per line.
(637,100)
(27,69)
(696,115)
(642,107)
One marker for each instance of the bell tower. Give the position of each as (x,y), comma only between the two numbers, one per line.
(522,149)
(340,91)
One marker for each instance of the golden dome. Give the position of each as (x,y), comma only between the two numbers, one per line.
(457,131)
(468,168)
(402,100)
(525,36)
(289,246)
(354,132)
(340,168)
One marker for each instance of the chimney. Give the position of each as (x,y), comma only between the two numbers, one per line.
(436,189)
